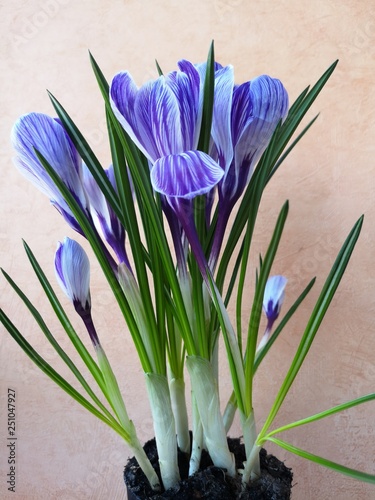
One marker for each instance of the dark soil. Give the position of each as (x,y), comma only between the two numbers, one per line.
(210,482)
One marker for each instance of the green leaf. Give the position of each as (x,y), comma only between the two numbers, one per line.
(324,414)
(141,179)
(256,310)
(138,251)
(56,377)
(88,157)
(208,102)
(89,362)
(267,167)
(355,474)
(99,250)
(159,70)
(315,320)
(63,318)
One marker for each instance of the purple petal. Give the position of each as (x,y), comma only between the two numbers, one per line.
(67,214)
(185,175)
(162,117)
(48,137)
(72,269)
(150,115)
(158,119)
(123,92)
(202,68)
(185,85)
(258,106)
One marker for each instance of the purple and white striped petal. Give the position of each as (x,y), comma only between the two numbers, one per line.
(72,268)
(258,106)
(273,298)
(123,93)
(185,85)
(185,175)
(162,117)
(36,131)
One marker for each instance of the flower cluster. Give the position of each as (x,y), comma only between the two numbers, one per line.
(186,148)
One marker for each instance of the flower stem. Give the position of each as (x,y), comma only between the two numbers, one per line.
(164,427)
(197,444)
(206,393)
(178,401)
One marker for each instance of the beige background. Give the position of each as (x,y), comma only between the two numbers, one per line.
(63,452)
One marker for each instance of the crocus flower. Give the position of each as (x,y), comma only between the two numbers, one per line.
(257,107)
(36,131)
(112,229)
(273,299)
(72,269)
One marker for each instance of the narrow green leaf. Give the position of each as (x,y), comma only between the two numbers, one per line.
(99,250)
(128,208)
(324,414)
(159,70)
(208,102)
(56,377)
(279,141)
(63,318)
(315,320)
(256,310)
(355,474)
(147,202)
(260,356)
(291,147)
(76,341)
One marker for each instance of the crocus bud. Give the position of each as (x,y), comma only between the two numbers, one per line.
(72,269)
(274,294)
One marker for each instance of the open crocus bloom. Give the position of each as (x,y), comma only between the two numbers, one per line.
(36,131)
(163,118)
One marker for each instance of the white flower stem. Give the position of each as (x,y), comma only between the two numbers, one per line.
(206,393)
(164,427)
(178,400)
(197,444)
(252,467)
(248,431)
(144,462)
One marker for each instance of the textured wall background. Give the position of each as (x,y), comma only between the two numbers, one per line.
(64,453)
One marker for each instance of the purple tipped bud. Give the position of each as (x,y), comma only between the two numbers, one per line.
(274,294)
(72,269)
